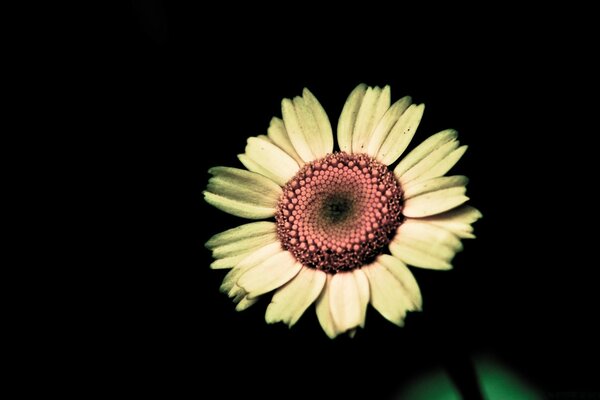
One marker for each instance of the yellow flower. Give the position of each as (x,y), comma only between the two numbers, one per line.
(346,225)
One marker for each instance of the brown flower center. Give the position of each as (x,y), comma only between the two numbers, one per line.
(339,212)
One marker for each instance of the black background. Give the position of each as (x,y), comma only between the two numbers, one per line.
(191,93)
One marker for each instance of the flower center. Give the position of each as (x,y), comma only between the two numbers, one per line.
(339,212)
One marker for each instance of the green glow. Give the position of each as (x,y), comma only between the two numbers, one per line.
(434,385)
(497,382)
(501,383)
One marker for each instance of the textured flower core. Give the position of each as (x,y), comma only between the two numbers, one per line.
(339,212)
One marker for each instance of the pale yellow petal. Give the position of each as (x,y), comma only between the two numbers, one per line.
(278,134)
(422,150)
(444,165)
(237,294)
(374,105)
(348,116)
(244,245)
(401,134)
(323,310)
(457,221)
(295,130)
(419,187)
(426,232)
(229,262)
(387,294)
(428,162)
(269,275)
(278,164)
(308,124)
(242,193)
(251,260)
(432,203)
(241,232)
(344,300)
(253,166)
(386,124)
(406,279)
(237,242)
(238,208)
(291,300)
(362,283)
(422,254)
(322,120)
(245,303)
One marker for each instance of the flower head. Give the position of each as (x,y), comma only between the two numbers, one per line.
(345,223)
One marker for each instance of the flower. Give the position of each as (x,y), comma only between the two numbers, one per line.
(346,225)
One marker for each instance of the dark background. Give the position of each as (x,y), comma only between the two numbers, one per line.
(190,94)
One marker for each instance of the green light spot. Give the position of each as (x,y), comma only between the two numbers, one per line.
(496,380)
